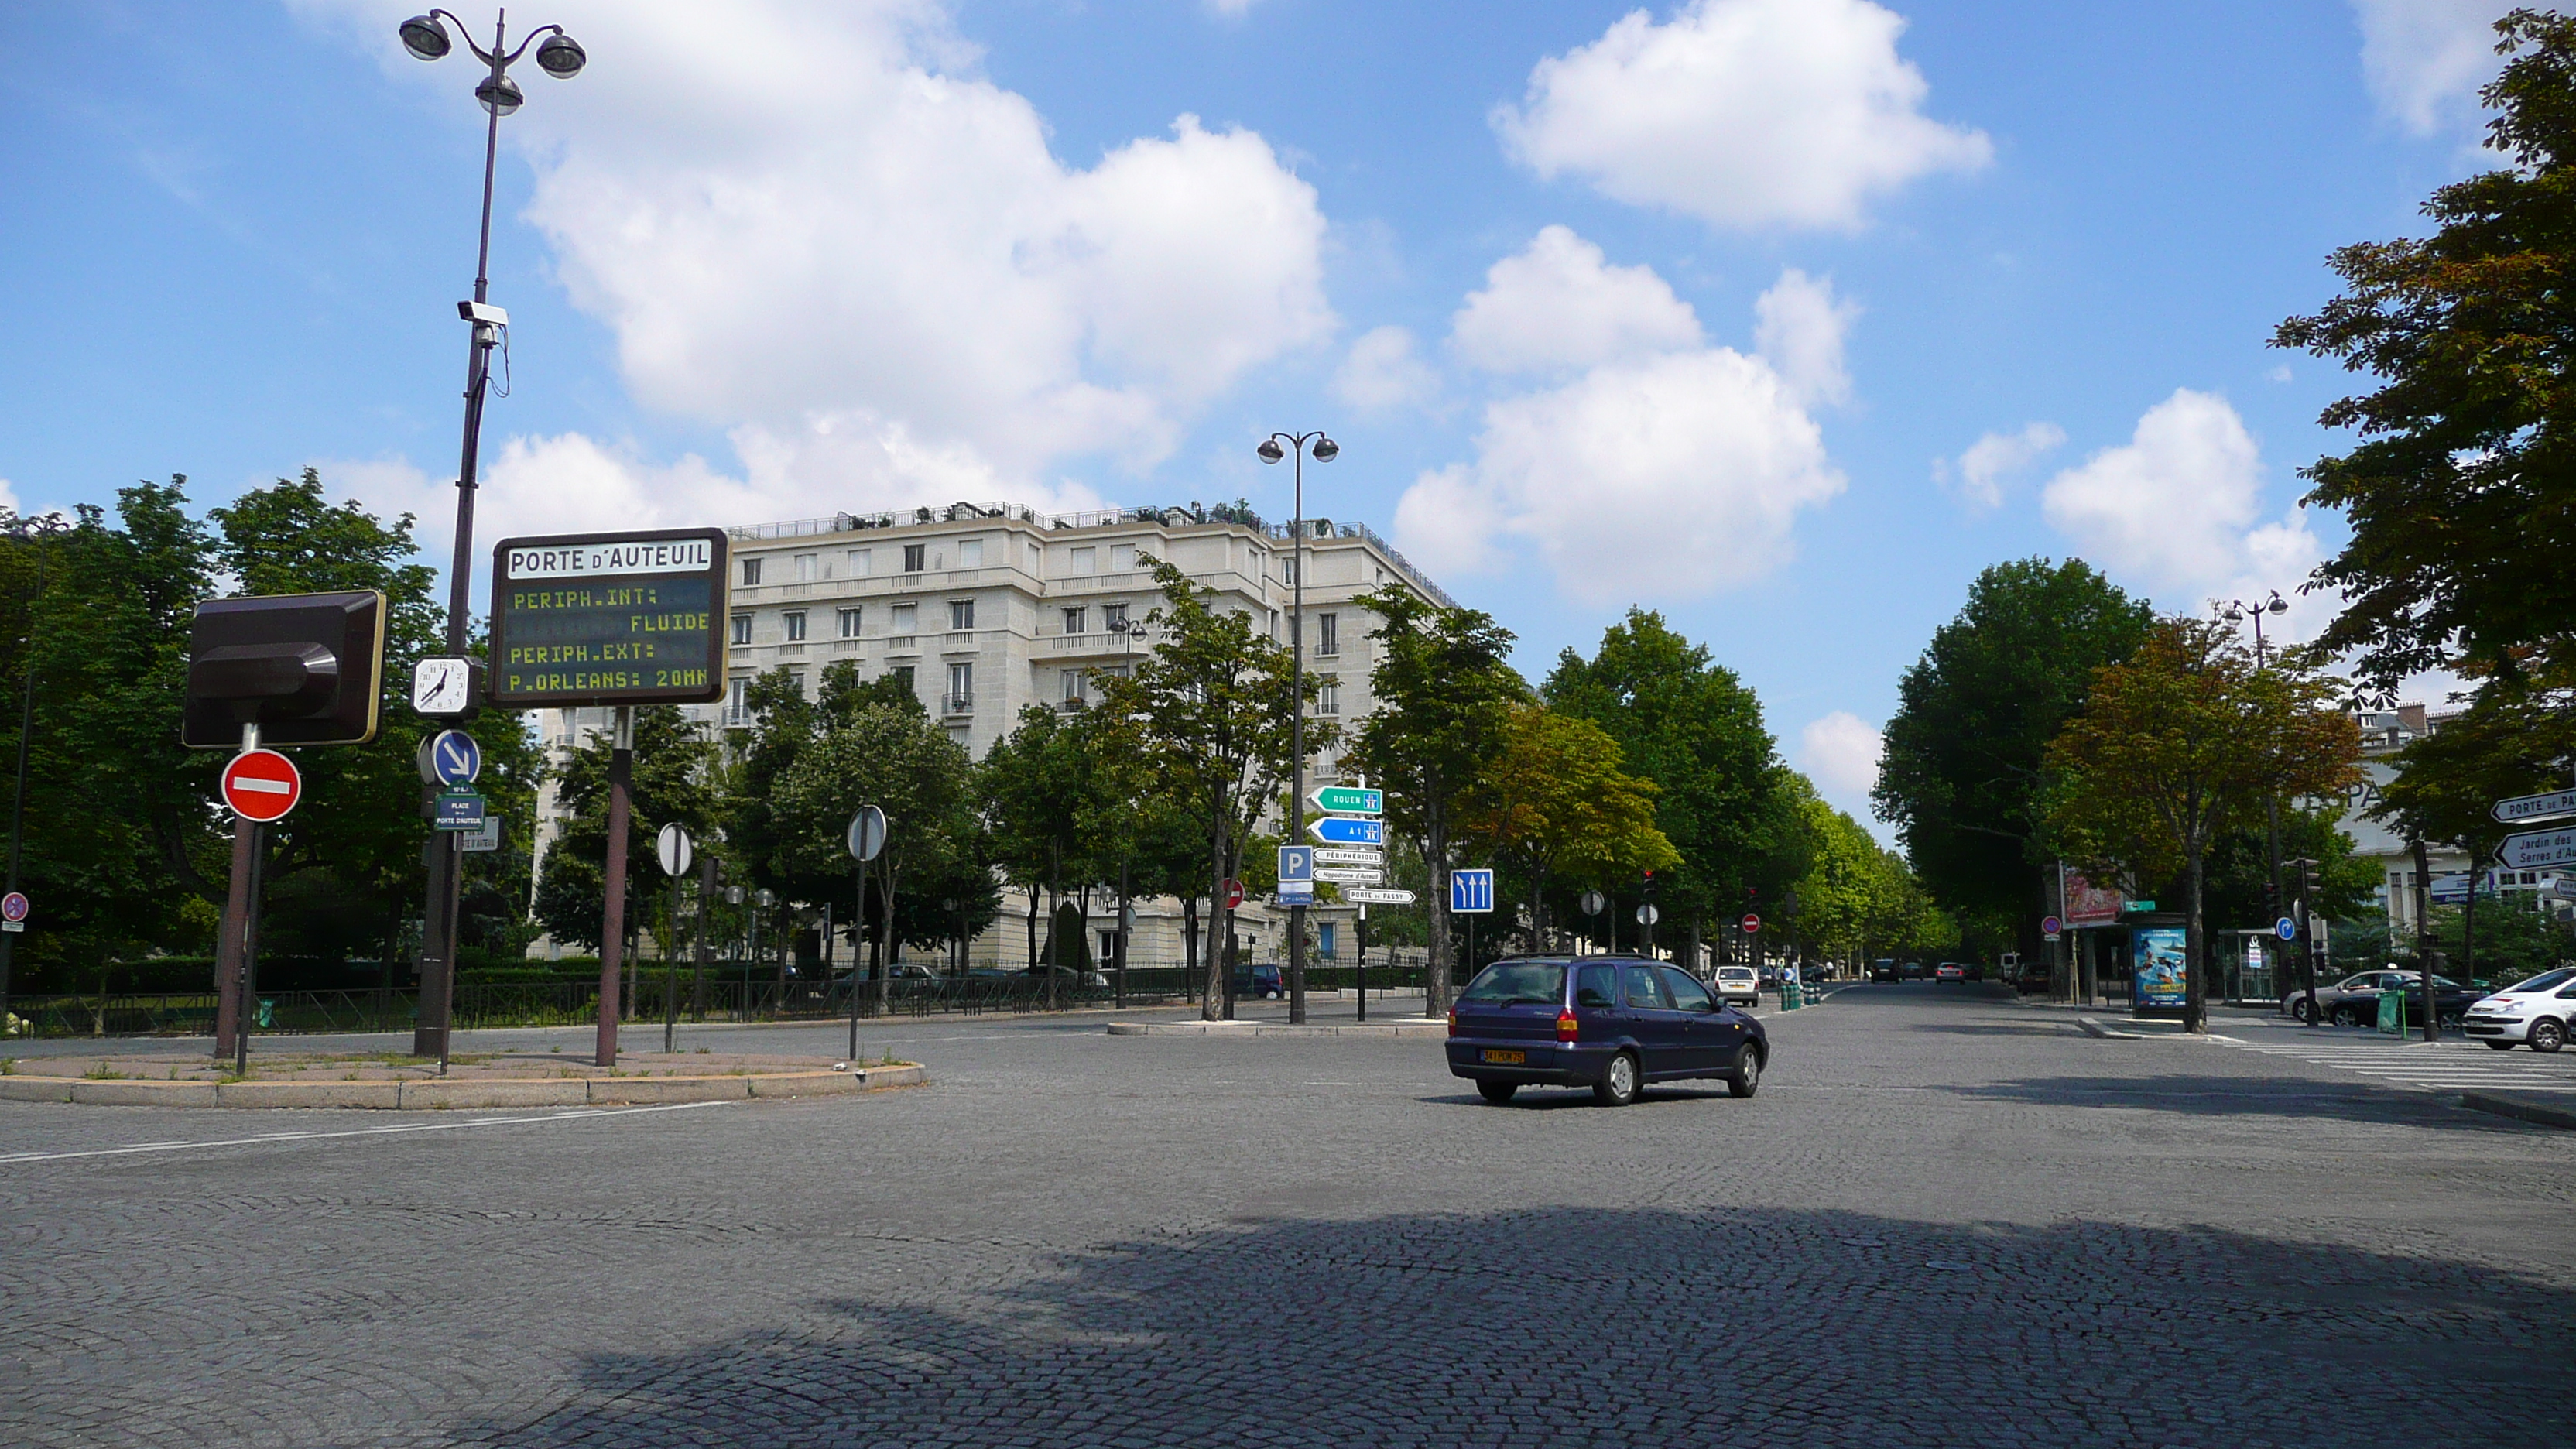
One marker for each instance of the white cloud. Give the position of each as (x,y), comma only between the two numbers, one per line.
(817,227)
(1840,753)
(1231,9)
(2424,60)
(1798,327)
(1743,113)
(1979,473)
(1558,303)
(1667,477)
(8,495)
(1383,371)
(2176,507)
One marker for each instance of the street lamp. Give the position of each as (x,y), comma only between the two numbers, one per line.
(2236,612)
(1325,450)
(560,56)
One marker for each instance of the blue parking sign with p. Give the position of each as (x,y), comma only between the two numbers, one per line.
(1471,890)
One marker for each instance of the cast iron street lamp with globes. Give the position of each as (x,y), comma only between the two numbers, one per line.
(2236,611)
(1325,451)
(560,56)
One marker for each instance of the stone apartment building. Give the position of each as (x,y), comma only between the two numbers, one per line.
(2383,734)
(989,608)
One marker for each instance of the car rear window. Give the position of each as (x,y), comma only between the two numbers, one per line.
(1539,983)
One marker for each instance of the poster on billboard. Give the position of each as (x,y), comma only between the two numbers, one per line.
(2090,905)
(2162,970)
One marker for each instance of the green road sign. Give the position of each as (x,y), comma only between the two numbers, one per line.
(1345,800)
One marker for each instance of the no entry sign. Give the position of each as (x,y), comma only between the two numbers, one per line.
(262,785)
(1752,924)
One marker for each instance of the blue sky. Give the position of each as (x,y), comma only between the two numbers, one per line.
(1782,316)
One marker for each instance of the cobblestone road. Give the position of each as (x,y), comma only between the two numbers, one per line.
(1947,1220)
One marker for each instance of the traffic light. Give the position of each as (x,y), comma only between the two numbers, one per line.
(1649,887)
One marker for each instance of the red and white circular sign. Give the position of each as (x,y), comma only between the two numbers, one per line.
(262,785)
(1752,924)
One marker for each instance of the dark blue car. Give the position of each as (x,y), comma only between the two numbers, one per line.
(1610,1023)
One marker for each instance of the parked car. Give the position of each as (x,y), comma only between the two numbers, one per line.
(1609,1023)
(2537,1013)
(1046,971)
(1738,983)
(1910,971)
(2354,1001)
(1949,971)
(1884,970)
(2033,977)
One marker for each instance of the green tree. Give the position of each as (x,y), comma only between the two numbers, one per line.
(2457,492)
(2510,741)
(1051,800)
(1210,713)
(1962,775)
(2181,743)
(674,783)
(1555,798)
(1444,694)
(904,764)
(1694,729)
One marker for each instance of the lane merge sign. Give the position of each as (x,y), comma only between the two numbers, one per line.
(2535,807)
(1348,800)
(262,785)
(1471,891)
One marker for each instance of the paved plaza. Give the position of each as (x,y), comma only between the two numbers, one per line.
(1948,1219)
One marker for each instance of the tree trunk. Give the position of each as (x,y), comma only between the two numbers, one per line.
(1190,938)
(1212,1000)
(1435,965)
(2195,996)
(1033,923)
(2424,935)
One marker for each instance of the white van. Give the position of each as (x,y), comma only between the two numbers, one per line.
(2534,1012)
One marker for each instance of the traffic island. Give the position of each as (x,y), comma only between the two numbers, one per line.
(394,1082)
(1265,1030)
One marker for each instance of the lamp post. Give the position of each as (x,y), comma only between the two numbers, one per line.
(1325,451)
(2236,612)
(426,37)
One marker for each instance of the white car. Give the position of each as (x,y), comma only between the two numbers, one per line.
(1738,983)
(2535,1013)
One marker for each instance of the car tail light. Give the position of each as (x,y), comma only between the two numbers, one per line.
(1566,1026)
(1453,1021)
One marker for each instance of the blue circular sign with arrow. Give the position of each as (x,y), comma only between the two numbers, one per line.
(2286,929)
(455,759)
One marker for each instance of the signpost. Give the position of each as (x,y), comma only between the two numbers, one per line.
(1348,800)
(866,839)
(1471,894)
(609,618)
(1297,875)
(13,911)
(1752,924)
(1342,854)
(2532,849)
(261,786)
(483,839)
(451,758)
(1233,893)
(1350,874)
(2535,807)
(1647,915)
(1376,896)
(674,850)
(1340,830)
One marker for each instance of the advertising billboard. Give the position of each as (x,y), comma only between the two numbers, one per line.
(2163,972)
(2090,905)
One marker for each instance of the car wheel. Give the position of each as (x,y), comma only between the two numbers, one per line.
(1497,1092)
(1618,1084)
(2499,1046)
(2299,1011)
(2546,1036)
(1746,1078)
(2345,1016)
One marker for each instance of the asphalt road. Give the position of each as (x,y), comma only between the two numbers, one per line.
(1948,1219)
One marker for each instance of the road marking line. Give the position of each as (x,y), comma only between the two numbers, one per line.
(353,1132)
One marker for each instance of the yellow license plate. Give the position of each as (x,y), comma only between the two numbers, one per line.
(1505,1059)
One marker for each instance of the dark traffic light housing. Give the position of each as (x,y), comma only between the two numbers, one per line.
(305,668)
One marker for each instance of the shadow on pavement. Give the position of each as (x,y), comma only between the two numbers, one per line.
(1598,1327)
(2243,1097)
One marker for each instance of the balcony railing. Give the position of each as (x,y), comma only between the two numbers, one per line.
(957,704)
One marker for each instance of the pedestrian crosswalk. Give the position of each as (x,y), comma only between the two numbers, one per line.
(2453,1065)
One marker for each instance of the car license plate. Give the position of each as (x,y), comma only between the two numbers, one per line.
(1504,1059)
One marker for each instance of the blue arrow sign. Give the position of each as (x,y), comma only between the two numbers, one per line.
(1471,890)
(2286,929)
(1333,830)
(455,758)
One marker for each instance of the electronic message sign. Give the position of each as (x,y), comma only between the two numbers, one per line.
(609,618)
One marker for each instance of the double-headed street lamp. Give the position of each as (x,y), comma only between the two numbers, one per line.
(1325,451)
(560,56)
(2236,611)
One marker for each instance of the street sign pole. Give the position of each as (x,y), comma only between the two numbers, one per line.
(612,929)
(866,839)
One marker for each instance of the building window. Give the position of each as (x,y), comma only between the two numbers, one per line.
(961,613)
(970,554)
(737,701)
(1074,619)
(907,618)
(961,689)
(1122,557)
(1086,560)
(860,562)
(796,682)
(742,628)
(1288,570)
(1073,686)
(794,619)
(1324,940)
(849,623)
(914,557)
(1273,628)
(1328,696)
(1113,617)
(808,567)
(1328,634)
(904,673)
(751,573)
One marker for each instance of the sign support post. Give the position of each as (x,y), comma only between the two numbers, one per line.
(612,926)
(238,903)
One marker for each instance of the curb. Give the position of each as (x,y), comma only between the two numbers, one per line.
(436,1095)
(2520,1111)
(1242,1030)
(2095,1029)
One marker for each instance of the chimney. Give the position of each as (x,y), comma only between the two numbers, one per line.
(2410,718)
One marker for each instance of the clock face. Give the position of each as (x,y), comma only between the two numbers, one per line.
(439,686)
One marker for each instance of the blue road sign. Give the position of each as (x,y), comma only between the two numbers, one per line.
(459,810)
(455,758)
(1334,830)
(1296,863)
(1471,890)
(2286,929)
